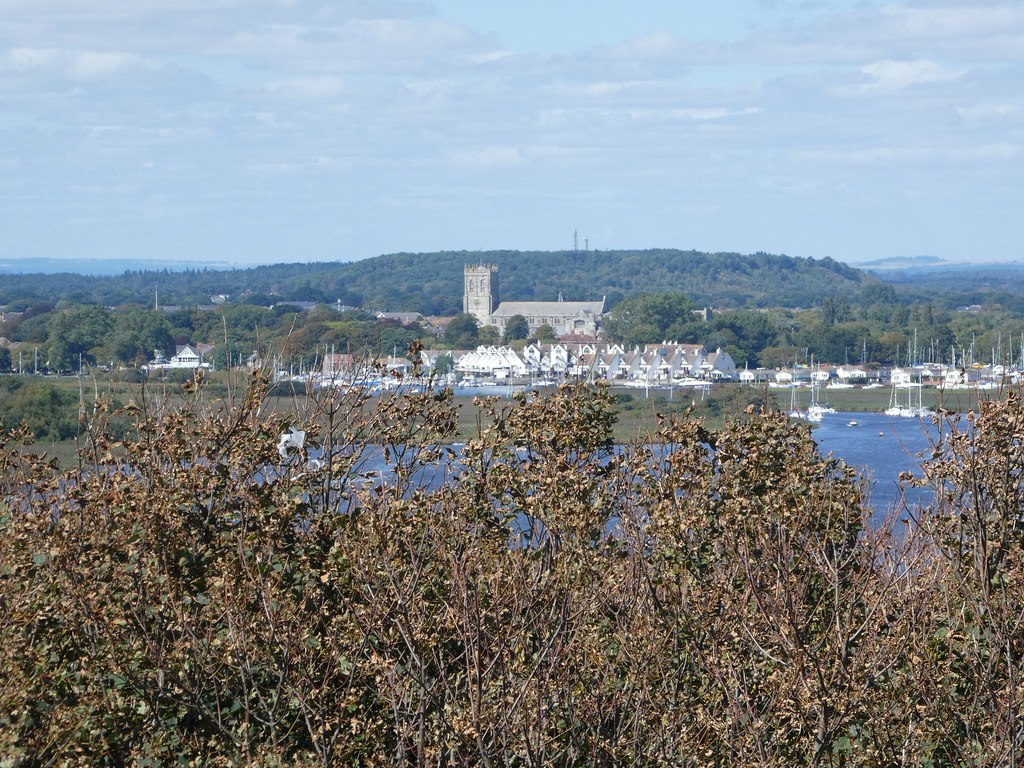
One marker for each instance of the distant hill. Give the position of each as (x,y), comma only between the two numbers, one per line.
(901,262)
(101,267)
(958,283)
(431,283)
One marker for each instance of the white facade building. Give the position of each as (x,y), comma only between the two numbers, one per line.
(186,357)
(657,364)
(493,362)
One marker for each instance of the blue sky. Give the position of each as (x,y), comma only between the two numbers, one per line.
(263,131)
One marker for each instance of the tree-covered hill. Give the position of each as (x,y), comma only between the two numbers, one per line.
(432,282)
(960,284)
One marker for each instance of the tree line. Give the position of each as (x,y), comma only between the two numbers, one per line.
(886,331)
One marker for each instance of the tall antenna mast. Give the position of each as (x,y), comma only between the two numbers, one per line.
(575,241)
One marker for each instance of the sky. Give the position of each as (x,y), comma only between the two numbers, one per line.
(248,132)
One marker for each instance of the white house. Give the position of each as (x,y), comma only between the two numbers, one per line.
(954,377)
(845,374)
(718,365)
(495,362)
(185,357)
(900,377)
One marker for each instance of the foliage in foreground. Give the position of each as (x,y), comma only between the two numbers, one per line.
(193,598)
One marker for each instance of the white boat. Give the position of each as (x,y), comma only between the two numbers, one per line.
(794,410)
(906,409)
(816,411)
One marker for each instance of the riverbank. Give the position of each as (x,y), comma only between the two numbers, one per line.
(638,410)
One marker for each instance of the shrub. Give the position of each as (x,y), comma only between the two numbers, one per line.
(223,590)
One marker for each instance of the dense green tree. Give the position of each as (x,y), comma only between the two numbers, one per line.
(394,338)
(650,318)
(50,412)
(781,357)
(546,333)
(74,334)
(32,330)
(516,328)
(891,347)
(835,309)
(443,365)
(233,352)
(750,332)
(5,359)
(463,332)
(432,282)
(312,338)
(138,333)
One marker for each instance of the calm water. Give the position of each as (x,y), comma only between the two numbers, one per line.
(883,446)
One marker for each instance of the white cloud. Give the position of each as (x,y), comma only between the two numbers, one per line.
(489,57)
(891,156)
(285,167)
(489,157)
(77,65)
(378,45)
(31,59)
(307,87)
(896,75)
(697,114)
(90,65)
(657,45)
(986,111)
(712,113)
(958,23)
(605,89)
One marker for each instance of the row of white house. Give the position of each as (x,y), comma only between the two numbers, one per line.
(654,364)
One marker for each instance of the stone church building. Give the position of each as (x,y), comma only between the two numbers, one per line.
(482,300)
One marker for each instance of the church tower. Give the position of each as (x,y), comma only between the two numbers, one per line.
(480,295)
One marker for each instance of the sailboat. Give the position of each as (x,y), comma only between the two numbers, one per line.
(906,408)
(815,412)
(794,410)
(817,409)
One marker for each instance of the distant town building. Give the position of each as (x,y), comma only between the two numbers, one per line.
(656,364)
(402,317)
(186,356)
(481,299)
(6,314)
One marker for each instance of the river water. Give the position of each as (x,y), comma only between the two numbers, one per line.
(882,447)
